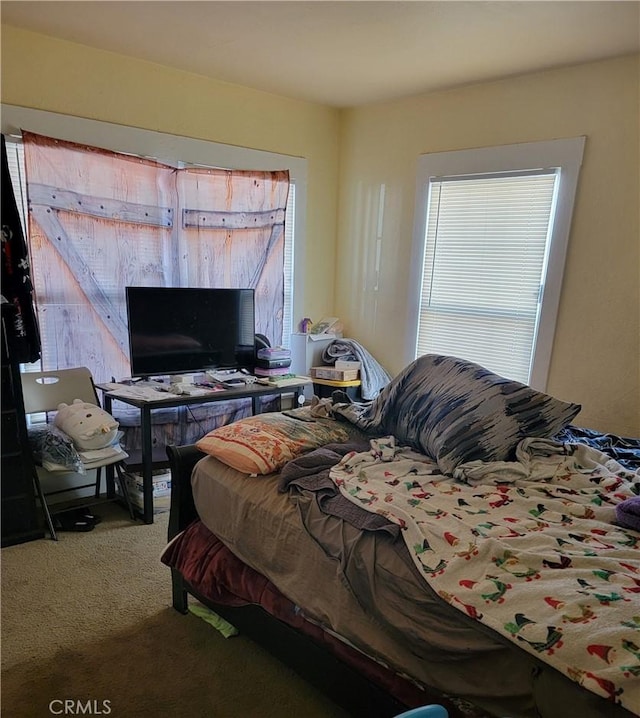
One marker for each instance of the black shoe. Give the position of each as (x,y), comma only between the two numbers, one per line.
(71,521)
(88,516)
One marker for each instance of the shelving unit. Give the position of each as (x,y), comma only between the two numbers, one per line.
(307,352)
(20,516)
(325,388)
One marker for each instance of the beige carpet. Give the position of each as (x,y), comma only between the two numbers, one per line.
(89,618)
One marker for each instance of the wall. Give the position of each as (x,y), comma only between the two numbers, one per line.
(596,355)
(44,73)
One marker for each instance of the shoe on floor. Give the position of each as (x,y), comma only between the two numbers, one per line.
(78,520)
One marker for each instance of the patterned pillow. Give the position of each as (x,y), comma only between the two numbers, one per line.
(456,411)
(265,443)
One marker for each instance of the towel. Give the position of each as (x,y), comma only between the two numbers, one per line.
(628,513)
(212,618)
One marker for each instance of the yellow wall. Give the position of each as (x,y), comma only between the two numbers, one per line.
(352,153)
(596,354)
(48,74)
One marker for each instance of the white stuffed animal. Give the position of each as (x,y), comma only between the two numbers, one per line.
(89,426)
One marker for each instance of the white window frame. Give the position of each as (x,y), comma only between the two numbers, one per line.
(564,154)
(178,151)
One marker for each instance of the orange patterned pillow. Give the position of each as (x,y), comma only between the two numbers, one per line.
(265,443)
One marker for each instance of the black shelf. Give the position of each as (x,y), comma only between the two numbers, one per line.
(20,517)
(159,459)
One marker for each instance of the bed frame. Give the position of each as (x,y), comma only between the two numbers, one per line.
(315,663)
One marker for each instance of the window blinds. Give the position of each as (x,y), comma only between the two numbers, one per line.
(15,158)
(486,245)
(289,243)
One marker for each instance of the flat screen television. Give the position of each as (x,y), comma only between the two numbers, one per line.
(182,330)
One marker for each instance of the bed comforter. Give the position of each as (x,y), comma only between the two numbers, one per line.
(457,544)
(531,548)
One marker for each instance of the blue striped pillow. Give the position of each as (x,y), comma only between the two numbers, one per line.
(456,411)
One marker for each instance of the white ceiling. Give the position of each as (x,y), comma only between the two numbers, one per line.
(344,53)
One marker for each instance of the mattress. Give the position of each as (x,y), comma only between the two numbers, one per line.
(387,612)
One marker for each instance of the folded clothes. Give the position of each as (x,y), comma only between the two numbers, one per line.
(628,513)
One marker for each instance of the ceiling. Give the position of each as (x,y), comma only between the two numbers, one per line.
(344,53)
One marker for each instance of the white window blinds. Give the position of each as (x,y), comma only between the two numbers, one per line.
(485,253)
(289,243)
(15,159)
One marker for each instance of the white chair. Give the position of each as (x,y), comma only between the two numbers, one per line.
(43,392)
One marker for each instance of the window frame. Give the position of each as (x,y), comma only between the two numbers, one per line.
(178,151)
(564,154)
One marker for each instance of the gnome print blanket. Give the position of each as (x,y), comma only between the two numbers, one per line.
(530,548)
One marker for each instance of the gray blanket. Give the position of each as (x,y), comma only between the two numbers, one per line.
(310,473)
(373,376)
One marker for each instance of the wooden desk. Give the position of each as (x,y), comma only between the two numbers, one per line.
(166,400)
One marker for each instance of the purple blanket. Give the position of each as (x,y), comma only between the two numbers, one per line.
(628,513)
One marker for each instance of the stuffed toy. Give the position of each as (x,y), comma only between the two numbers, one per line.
(89,426)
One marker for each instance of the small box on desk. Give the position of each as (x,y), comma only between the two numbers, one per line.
(273,353)
(333,374)
(346,364)
(272,364)
(274,371)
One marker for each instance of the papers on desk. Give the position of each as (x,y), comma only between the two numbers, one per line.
(226,374)
(283,380)
(142,393)
(157,392)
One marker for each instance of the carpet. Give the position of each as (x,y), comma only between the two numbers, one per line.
(168,665)
(88,619)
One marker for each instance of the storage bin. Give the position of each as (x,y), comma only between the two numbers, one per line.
(324,388)
(161,490)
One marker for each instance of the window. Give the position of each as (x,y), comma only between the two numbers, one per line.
(490,241)
(191,153)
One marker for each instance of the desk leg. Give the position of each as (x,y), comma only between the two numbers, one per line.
(109,469)
(147,464)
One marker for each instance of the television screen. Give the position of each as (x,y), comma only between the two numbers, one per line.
(179,330)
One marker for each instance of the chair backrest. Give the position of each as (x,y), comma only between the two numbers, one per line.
(44,390)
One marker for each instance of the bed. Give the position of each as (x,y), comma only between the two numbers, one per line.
(456,540)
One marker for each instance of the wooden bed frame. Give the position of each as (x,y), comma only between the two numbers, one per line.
(314,662)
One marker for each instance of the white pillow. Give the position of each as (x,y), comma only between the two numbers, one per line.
(88,426)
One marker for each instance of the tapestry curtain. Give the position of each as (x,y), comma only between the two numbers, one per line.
(232,235)
(100,221)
